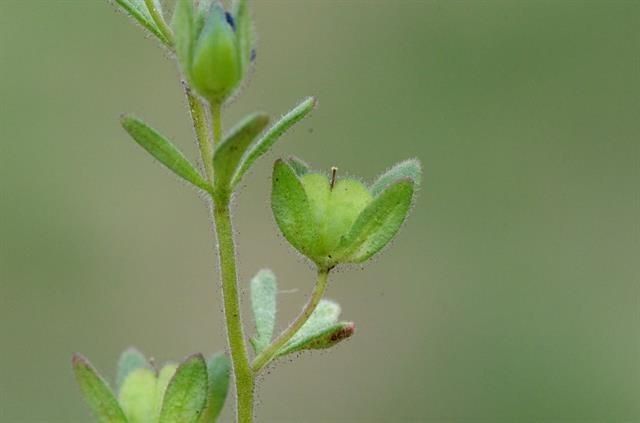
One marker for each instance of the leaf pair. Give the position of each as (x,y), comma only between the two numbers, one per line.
(238,152)
(138,11)
(334,222)
(321,331)
(232,158)
(193,392)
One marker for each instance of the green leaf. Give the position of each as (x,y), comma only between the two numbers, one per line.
(299,166)
(291,208)
(137,9)
(219,369)
(244,31)
(163,150)
(186,395)
(137,396)
(263,302)
(130,360)
(96,392)
(184,34)
(324,339)
(410,169)
(323,319)
(272,135)
(378,223)
(230,151)
(164,377)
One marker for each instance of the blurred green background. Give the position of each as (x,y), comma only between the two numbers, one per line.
(511,295)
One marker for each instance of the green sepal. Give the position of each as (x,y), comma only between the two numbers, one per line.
(229,153)
(263,302)
(271,136)
(96,392)
(244,32)
(410,169)
(186,394)
(324,339)
(378,223)
(137,9)
(291,208)
(137,396)
(219,371)
(323,318)
(184,33)
(163,150)
(202,9)
(130,360)
(300,167)
(164,377)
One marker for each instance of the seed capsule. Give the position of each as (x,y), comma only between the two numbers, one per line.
(340,221)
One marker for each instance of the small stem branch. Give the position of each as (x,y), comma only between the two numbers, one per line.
(269,353)
(159,20)
(244,378)
(199,118)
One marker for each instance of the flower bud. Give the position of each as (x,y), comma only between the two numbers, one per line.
(213,48)
(215,66)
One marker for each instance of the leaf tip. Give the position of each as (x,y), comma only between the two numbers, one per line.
(266,272)
(348,330)
(193,357)
(78,359)
(126,119)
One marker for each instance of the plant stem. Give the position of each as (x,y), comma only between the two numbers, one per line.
(216,123)
(199,118)
(269,353)
(243,375)
(235,335)
(157,17)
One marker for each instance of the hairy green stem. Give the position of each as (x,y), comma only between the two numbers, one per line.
(216,123)
(243,375)
(157,17)
(244,379)
(199,118)
(269,353)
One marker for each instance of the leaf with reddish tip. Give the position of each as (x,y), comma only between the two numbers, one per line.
(186,395)
(96,392)
(322,339)
(318,330)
